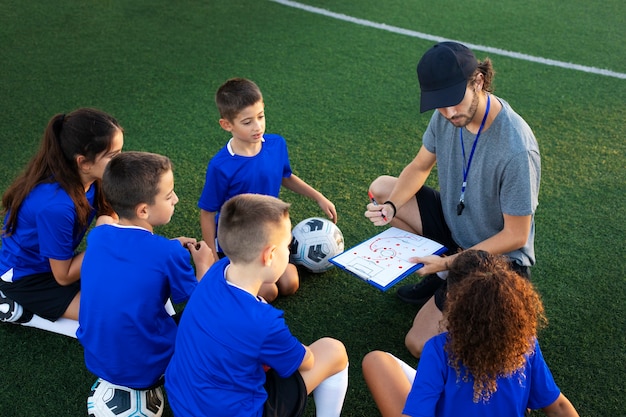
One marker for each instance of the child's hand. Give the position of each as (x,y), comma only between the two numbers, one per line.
(185,241)
(202,255)
(328,208)
(106,219)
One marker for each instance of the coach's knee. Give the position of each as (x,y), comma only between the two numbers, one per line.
(382,186)
(414,343)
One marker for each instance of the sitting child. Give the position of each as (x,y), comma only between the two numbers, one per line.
(251,162)
(487,364)
(234,354)
(129,273)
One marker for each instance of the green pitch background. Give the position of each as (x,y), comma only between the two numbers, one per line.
(345,97)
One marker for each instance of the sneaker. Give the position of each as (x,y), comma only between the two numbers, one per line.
(420,293)
(12,312)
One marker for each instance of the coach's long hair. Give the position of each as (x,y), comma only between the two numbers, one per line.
(493,315)
(86,132)
(486,68)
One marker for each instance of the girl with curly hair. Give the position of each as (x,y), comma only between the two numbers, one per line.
(488,363)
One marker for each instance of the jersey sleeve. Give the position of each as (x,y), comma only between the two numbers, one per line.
(181,274)
(429,382)
(429,139)
(215,187)
(55,227)
(281,350)
(520,184)
(543,389)
(285,159)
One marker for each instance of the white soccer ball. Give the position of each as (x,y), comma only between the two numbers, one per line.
(315,241)
(110,400)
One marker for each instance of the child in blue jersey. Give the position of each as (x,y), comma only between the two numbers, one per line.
(49,208)
(129,273)
(487,364)
(251,162)
(234,354)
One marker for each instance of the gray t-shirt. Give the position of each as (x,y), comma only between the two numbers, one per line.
(503,177)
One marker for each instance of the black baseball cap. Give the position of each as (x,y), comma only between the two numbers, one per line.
(443,73)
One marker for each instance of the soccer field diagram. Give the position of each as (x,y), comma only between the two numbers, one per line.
(385,257)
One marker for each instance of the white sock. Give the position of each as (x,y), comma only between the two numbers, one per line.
(67,327)
(330,393)
(408,370)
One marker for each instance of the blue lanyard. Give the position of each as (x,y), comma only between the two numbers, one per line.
(461,205)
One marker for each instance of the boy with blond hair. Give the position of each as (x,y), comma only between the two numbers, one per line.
(235,355)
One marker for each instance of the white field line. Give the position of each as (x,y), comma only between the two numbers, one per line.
(414,34)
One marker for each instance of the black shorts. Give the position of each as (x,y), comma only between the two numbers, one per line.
(286,397)
(434,225)
(41,294)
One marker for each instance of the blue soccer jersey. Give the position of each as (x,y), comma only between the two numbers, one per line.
(47,228)
(229,175)
(225,338)
(127,276)
(437,391)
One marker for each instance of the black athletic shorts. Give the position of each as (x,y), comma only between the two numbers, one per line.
(434,225)
(41,294)
(286,397)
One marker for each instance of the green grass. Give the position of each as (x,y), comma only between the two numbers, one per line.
(346,99)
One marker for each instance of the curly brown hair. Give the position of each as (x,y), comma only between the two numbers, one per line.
(493,315)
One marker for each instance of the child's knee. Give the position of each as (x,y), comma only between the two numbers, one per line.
(269,292)
(414,343)
(371,359)
(289,282)
(338,350)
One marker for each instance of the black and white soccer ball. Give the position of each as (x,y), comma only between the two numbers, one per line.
(314,242)
(110,400)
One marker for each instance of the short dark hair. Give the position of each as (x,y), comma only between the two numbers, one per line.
(235,95)
(132,178)
(246,223)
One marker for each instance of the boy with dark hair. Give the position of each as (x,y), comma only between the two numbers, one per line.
(129,274)
(251,162)
(234,355)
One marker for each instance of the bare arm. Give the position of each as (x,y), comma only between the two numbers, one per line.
(207,223)
(308,361)
(67,272)
(409,182)
(562,407)
(113,218)
(203,257)
(297,185)
(413,177)
(512,236)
